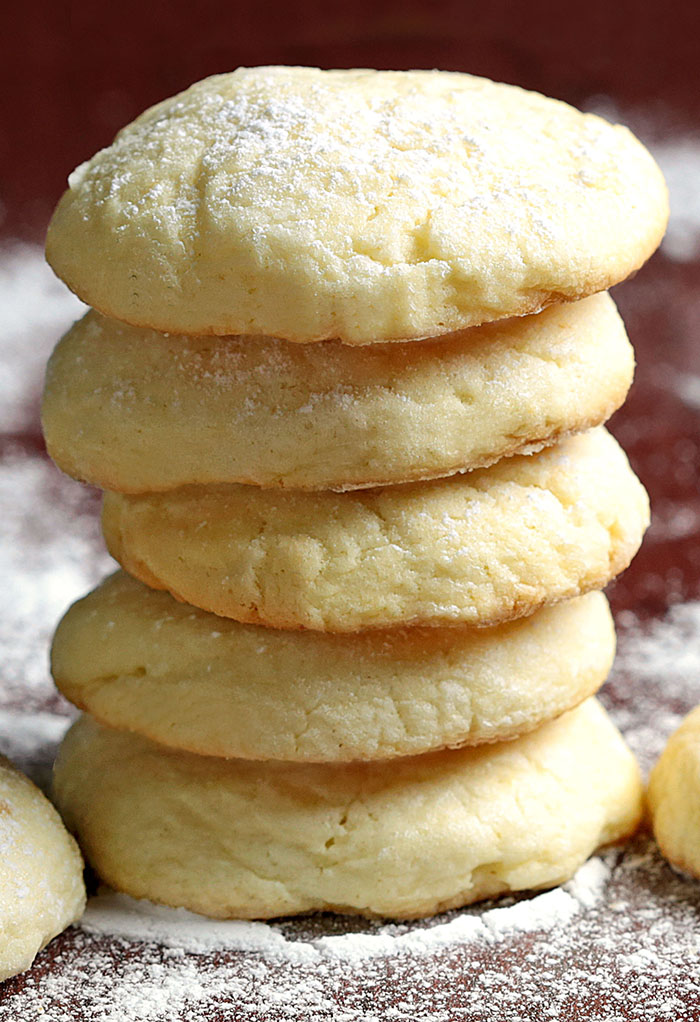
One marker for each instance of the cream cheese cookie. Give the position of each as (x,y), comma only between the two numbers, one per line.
(479,548)
(674,796)
(231,838)
(41,872)
(358,205)
(134,411)
(137,659)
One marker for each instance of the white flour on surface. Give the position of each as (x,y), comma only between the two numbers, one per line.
(35,309)
(118,915)
(29,735)
(679,159)
(51,554)
(663,660)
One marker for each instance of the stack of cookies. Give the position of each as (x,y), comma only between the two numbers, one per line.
(344,387)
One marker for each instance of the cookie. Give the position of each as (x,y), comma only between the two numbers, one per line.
(479,548)
(137,659)
(133,410)
(674,796)
(231,838)
(41,872)
(356,205)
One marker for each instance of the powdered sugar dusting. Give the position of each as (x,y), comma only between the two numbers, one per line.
(121,916)
(294,134)
(663,659)
(51,554)
(679,159)
(117,915)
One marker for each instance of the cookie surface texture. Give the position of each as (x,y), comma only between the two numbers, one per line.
(480,548)
(674,796)
(41,872)
(403,839)
(356,205)
(133,410)
(138,660)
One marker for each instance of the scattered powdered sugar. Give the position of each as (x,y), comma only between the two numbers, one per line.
(118,915)
(662,659)
(35,309)
(51,554)
(679,159)
(25,735)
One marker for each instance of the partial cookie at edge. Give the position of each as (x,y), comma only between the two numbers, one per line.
(674,796)
(41,872)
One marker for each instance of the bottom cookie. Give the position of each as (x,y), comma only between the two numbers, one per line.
(231,838)
(41,872)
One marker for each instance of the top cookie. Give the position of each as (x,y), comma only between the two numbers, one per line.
(357,205)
